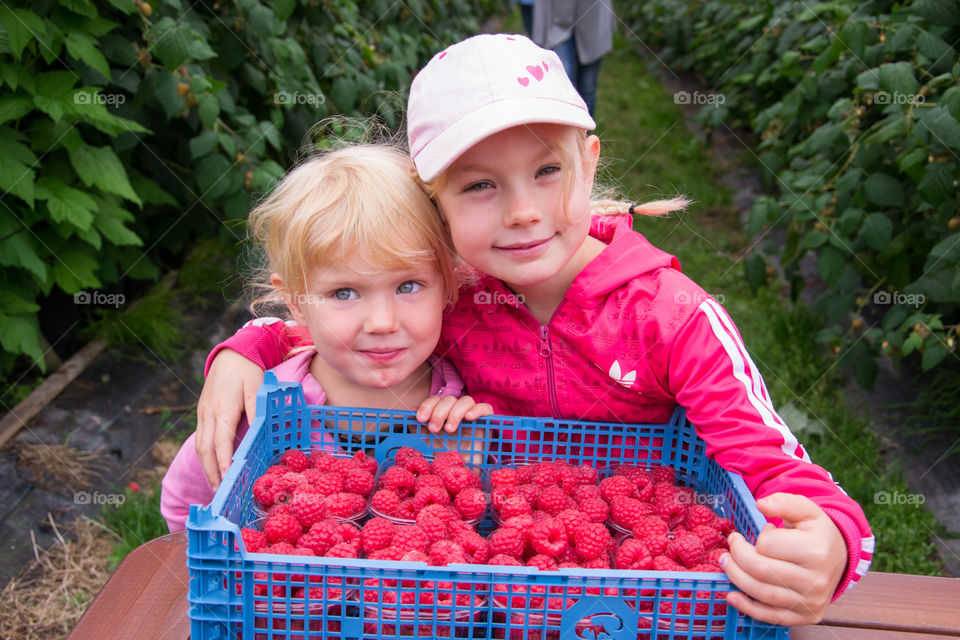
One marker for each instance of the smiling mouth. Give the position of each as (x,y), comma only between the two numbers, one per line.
(520,246)
(382,355)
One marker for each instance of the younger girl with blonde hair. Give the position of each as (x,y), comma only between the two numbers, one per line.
(355,251)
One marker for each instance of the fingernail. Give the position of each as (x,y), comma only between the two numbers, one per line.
(723,560)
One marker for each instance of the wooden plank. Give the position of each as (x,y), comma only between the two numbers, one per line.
(48,390)
(900,602)
(145,598)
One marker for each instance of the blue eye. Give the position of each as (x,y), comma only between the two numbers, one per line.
(479,186)
(554,168)
(410,286)
(344,294)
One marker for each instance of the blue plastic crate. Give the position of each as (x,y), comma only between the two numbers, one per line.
(238,595)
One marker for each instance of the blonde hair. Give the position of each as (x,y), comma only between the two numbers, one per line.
(359,204)
(603,200)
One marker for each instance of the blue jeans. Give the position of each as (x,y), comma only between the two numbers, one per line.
(583,76)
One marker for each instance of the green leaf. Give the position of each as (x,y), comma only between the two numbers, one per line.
(12,304)
(911,159)
(203,144)
(20,334)
(16,177)
(74,270)
(14,108)
(208,110)
(830,264)
(947,251)
(813,240)
(65,203)
(755,268)
(175,43)
(151,192)
(912,342)
(227,144)
(123,6)
(84,48)
(261,22)
(883,189)
(937,183)
(100,167)
(945,12)
(876,231)
(211,176)
(942,126)
(83,7)
(865,368)
(951,100)
(935,48)
(283,9)
(21,25)
(898,78)
(54,84)
(854,36)
(933,355)
(110,220)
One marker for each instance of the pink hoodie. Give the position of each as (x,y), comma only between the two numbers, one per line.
(185,482)
(632,338)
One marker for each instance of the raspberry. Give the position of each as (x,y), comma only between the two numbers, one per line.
(587,475)
(282,548)
(553,500)
(359,481)
(406,509)
(364,461)
(471,503)
(344,550)
(506,560)
(545,475)
(475,546)
(615,486)
(663,563)
(699,514)
(713,556)
(707,568)
(445,513)
(411,537)
(276,469)
(387,553)
(590,540)
(377,533)
(499,495)
(597,510)
(328,482)
(456,526)
(548,537)
(345,505)
(686,548)
(529,491)
(602,562)
(522,523)
(633,555)
(444,552)
(657,544)
(428,480)
(282,528)
(416,556)
(650,526)
(386,502)
(263,490)
(308,509)
(322,460)
(320,538)
(662,473)
(445,460)
(253,540)
(709,536)
(397,479)
(430,495)
(686,496)
(627,512)
(571,519)
(508,542)
(525,473)
(278,509)
(664,492)
(586,492)
(504,477)
(456,479)
(433,527)
(670,511)
(542,562)
(515,506)
(724,526)
(411,460)
(295,460)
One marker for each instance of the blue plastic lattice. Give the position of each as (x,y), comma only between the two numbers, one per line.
(238,595)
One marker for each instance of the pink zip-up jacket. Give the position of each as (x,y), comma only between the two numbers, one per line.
(185,482)
(632,338)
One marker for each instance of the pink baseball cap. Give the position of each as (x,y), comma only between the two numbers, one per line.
(483,85)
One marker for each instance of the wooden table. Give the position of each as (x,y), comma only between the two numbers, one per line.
(146,599)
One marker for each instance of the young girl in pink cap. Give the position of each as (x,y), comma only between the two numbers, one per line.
(355,252)
(572,314)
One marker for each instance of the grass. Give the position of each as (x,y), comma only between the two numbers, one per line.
(135,521)
(653,155)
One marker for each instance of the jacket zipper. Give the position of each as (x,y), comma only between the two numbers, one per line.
(546,352)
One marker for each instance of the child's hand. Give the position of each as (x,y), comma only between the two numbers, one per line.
(230,389)
(447,412)
(790,576)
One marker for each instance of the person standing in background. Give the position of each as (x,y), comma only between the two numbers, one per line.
(526,14)
(581,33)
